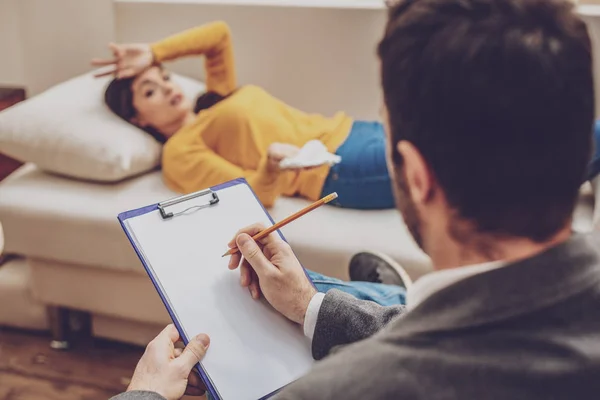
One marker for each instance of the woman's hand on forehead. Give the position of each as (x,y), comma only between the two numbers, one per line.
(128,60)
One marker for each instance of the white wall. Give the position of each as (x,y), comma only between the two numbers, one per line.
(318,60)
(44,42)
(11,50)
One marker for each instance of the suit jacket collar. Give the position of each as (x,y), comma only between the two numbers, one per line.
(515,289)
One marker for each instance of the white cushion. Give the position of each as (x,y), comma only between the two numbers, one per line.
(69,130)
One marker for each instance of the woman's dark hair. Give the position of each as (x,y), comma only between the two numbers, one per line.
(207,100)
(119,99)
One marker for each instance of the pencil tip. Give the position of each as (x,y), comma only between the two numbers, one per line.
(225,255)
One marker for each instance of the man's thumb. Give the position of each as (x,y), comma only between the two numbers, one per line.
(252,253)
(194,352)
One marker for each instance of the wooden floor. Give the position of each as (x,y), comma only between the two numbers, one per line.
(92,370)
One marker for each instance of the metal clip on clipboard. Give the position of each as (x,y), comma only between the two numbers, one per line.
(214,199)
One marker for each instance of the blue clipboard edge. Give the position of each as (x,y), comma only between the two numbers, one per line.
(122,217)
(141,211)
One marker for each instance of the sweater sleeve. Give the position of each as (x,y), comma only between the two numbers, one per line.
(212,40)
(191,168)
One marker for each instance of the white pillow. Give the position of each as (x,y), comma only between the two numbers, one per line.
(69,130)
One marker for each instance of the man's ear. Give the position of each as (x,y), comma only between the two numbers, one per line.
(418,175)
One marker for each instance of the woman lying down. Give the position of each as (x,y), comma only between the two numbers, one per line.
(234,132)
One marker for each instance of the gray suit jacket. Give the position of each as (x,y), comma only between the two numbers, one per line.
(529,330)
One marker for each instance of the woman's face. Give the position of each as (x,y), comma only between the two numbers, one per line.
(159,102)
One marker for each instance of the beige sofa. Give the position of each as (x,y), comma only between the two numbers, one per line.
(74,255)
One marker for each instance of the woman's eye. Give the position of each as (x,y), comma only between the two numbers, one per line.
(167,77)
(149,93)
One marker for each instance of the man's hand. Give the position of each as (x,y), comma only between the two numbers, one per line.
(168,371)
(271,268)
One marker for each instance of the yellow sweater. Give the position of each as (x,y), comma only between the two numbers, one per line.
(230,139)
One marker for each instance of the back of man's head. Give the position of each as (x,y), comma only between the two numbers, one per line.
(497,96)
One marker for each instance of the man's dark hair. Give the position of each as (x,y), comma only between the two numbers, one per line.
(497,95)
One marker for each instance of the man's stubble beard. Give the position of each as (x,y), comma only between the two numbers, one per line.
(406,205)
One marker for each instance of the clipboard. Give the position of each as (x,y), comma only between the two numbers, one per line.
(254,350)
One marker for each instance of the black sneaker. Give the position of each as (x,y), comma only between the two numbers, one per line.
(378,268)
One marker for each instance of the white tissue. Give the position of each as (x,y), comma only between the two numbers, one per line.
(313,154)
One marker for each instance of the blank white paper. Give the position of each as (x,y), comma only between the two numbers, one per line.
(254,350)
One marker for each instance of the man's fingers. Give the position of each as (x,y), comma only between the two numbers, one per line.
(249,230)
(254,286)
(245,274)
(194,391)
(234,260)
(281,248)
(170,333)
(195,385)
(253,254)
(195,381)
(165,339)
(250,280)
(194,352)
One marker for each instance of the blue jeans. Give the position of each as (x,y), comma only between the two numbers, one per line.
(385,295)
(362,179)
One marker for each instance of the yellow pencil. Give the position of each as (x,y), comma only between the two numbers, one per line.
(284,222)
